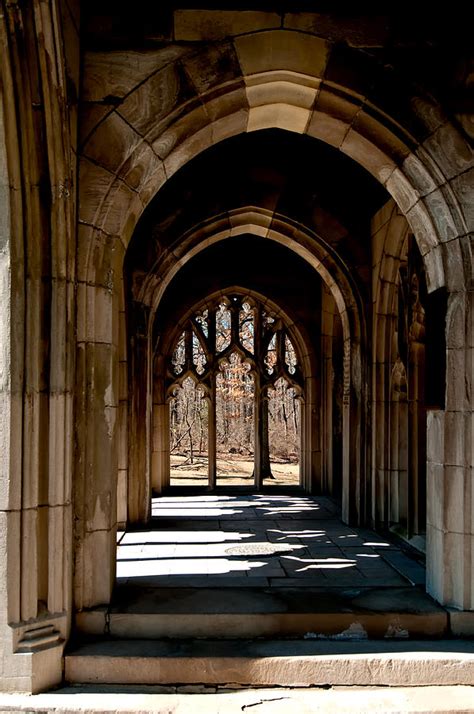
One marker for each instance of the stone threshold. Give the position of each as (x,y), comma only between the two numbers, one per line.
(183,613)
(291,663)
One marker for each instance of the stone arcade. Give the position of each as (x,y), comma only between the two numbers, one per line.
(155,162)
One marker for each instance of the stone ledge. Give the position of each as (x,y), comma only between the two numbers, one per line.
(266,663)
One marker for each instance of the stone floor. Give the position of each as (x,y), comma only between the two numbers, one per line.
(259,540)
(264,589)
(189,700)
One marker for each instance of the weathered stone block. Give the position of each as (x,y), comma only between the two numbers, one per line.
(281,49)
(111,143)
(198,25)
(402,190)
(97,560)
(435,576)
(280,92)
(386,135)
(99,256)
(152,183)
(450,151)
(60,446)
(461,623)
(119,212)
(368,155)
(215,65)
(94,314)
(113,75)
(429,112)
(153,103)
(186,150)
(228,126)
(90,115)
(226,102)
(458,396)
(419,174)
(59,521)
(434,268)
(372,31)
(94,182)
(11,423)
(62,316)
(10,566)
(443,212)
(280,116)
(458,571)
(123,435)
(29,564)
(435,435)
(35,455)
(456,502)
(463,187)
(454,439)
(456,322)
(189,125)
(421,224)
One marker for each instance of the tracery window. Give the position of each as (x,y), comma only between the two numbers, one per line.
(240,355)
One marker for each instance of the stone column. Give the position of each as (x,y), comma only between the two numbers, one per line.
(327,386)
(160,440)
(123,415)
(211,435)
(139,485)
(37,249)
(96,436)
(258,430)
(311,437)
(450,502)
(398,506)
(353,443)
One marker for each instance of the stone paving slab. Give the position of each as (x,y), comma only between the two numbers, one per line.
(195,581)
(209,529)
(286,599)
(212,700)
(240,613)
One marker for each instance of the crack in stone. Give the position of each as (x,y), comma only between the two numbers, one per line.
(263,701)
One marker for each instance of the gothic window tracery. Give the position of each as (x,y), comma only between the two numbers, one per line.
(238,325)
(243,353)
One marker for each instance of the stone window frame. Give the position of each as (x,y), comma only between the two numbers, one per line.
(267,325)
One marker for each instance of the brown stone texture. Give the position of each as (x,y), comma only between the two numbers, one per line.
(153,161)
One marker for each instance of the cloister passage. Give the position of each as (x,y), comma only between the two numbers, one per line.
(251,278)
(244,566)
(268,208)
(271,283)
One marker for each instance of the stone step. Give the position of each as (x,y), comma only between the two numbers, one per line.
(130,699)
(185,613)
(290,663)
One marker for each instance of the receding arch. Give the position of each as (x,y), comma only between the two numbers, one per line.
(111,207)
(282,96)
(336,277)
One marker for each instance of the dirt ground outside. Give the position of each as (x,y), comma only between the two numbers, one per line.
(232,470)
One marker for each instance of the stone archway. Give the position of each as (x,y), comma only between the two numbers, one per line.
(203,344)
(375,146)
(323,259)
(145,114)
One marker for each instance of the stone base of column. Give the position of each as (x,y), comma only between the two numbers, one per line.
(33,655)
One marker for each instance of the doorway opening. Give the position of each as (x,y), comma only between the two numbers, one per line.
(236,393)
